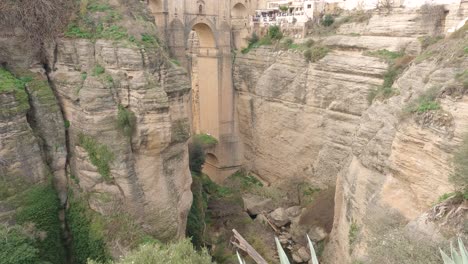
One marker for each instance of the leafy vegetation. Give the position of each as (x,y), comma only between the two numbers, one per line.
(353,232)
(99,155)
(10,84)
(316,53)
(126,121)
(196,157)
(197,216)
(387,55)
(98,70)
(274,32)
(425,102)
(255,42)
(40,207)
(180,252)
(18,245)
(87,232)
(96,19)
(206,140)
(327,20)
(397,63)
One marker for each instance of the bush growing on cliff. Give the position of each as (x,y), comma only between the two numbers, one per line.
(316,53)
(196,220)
(425,102)
(274,32)
(99,155)
(196,157)
(180,252)
(40,207)
(328,20)
(126,121)
(87,233)
(18,246)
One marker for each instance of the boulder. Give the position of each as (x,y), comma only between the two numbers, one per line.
(262,219)
(279,217)
(301,255)
(293,211)
(255,205)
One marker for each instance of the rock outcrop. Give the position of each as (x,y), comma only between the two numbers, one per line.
(315,121)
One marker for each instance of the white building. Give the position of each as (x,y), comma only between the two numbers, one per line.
(371,4)
(281,12)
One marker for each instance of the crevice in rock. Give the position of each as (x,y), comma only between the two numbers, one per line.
(67,239)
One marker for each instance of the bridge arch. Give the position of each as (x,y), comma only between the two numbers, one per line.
(239,10)
(201,39)
(205,35)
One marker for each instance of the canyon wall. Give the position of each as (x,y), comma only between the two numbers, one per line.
(315,121)
(108,121)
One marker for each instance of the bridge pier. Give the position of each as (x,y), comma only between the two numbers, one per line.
(210,66)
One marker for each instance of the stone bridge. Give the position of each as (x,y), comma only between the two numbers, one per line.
(201,35)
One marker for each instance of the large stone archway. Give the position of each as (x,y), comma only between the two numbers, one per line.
(199,35)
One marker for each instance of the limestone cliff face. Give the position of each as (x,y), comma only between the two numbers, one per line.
(313,120)
(65,124)
(149,175)
(298,119)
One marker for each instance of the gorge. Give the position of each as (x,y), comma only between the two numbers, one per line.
(354,133)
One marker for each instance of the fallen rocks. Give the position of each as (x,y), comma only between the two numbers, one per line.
(255,205)
(279,217)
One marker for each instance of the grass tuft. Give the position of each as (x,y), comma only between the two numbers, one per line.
(99,155)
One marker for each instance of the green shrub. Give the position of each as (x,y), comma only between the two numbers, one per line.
(197,216)
(98,70)
(40,205)
(99,155)
(246,180)
(196,157)
(253,39)
(18,246)
(10,84)
(180,252)
(98,7)
(316,53)
(86,232)
(206,140)
(113,32)
(126,121)
(149,39)
(387,55)
(425,102)
(287,43)
(353,232)
(327,20)
(274,32)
